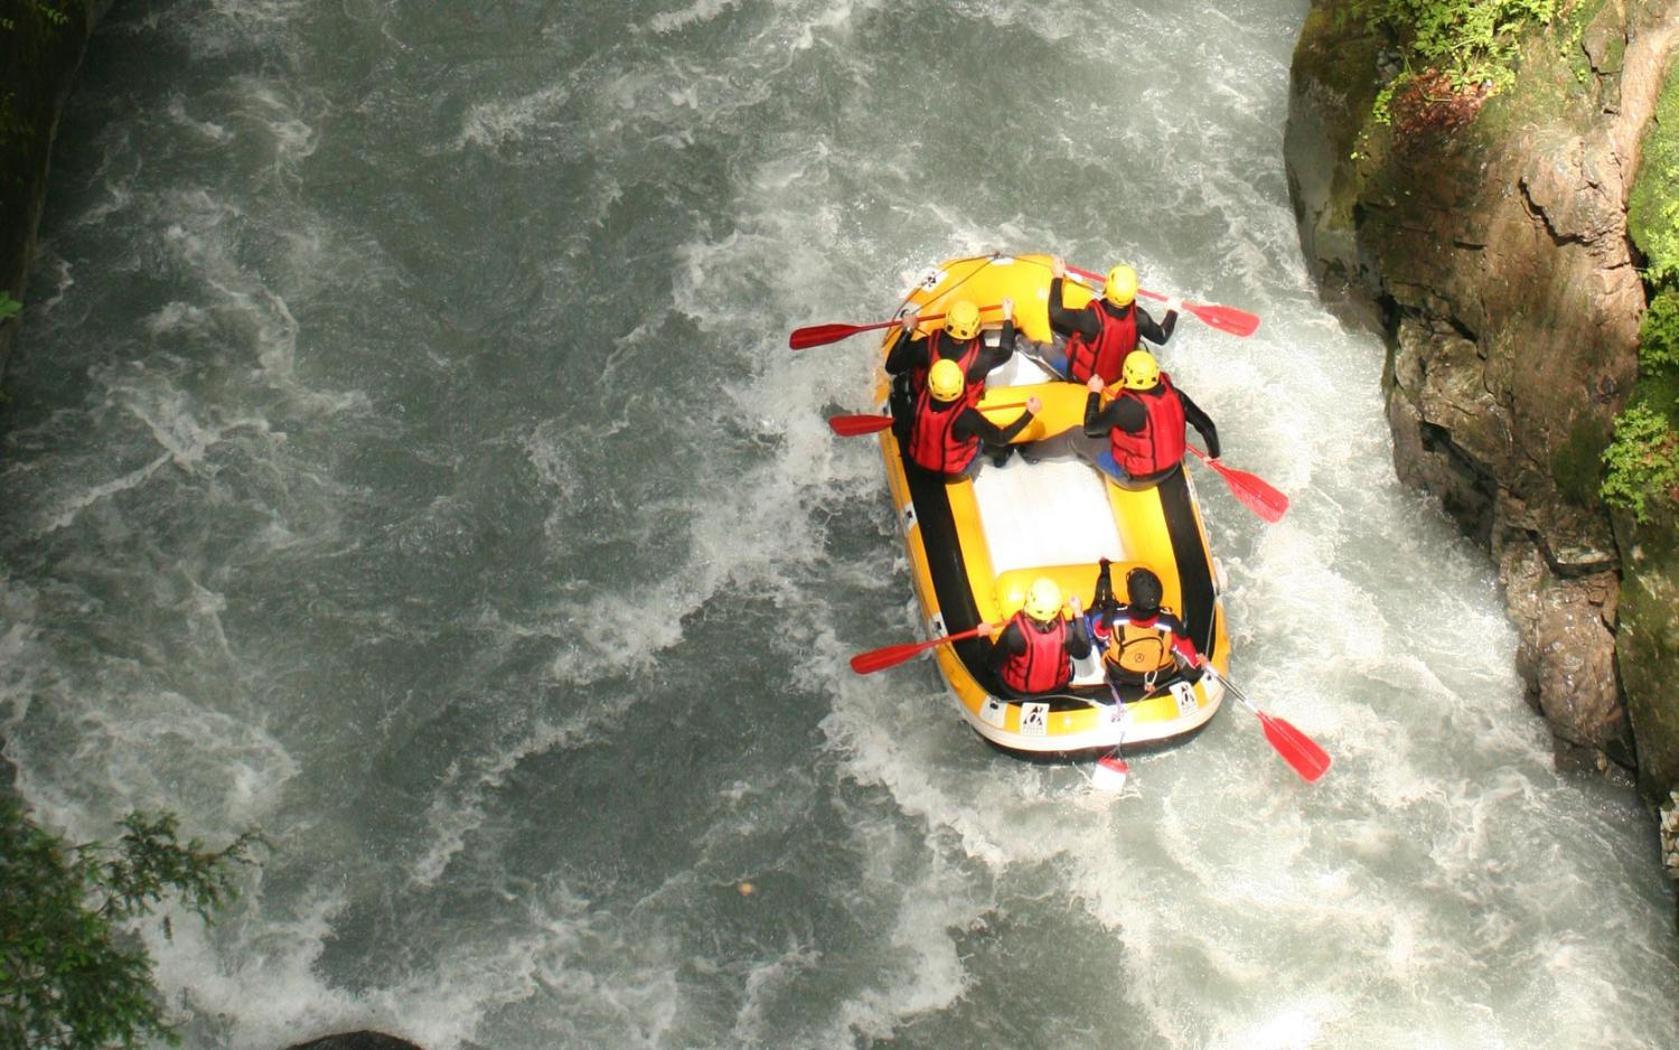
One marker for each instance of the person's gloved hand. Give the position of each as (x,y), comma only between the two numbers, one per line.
(1173,304)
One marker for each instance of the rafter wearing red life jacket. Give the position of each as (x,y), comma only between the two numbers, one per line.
(1044,665)
(915,356)
(945,434)
(1160,444)
(1105,354)
(1035,650)
(1104,332)
(934,443)
(1144,424)
(966,358)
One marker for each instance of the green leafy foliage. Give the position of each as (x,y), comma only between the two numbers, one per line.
(1468,41)
(1658,335)
(52,12)
(1641,464)
(1653,205)
(9,307)
(70,977)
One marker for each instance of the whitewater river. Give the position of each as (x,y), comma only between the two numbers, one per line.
(403,456)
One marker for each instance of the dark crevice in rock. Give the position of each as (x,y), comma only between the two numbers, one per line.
(1391,312)
(1457,325)
(1471,503)
(1582,565)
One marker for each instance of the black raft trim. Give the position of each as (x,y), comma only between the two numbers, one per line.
(1195,574)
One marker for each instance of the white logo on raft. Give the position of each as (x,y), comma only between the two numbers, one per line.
(1034,719)
(1184,693)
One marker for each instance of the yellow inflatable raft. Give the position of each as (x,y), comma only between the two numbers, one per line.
(976,545)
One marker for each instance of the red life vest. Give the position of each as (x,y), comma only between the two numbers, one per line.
(1160,444)
(932,445)
(969,354)
(1044,665)
(1105,355)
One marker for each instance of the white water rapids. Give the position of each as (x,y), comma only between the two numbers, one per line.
(403,455)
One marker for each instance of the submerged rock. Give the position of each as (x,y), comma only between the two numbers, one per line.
(357,1041)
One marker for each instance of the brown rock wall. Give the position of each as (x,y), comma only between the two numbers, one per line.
(1500,253)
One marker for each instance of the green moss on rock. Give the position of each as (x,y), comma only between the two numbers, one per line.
(1577,464)
(1653,206)
(1647,642)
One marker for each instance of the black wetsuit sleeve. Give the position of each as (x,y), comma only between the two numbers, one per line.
(1126,413)
(1009,643)
(908,354)
(1103,600)
(973,423)
(990,357)
(1201,422)
(1078,639)
(1156,332)
(1084,321)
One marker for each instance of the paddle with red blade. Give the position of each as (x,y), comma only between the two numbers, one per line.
(823,334)
(1224,318)
(1302,754)
(1111,769)
(1251,490)
(893,655)
(858,425)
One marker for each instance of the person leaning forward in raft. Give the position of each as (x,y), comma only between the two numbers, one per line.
(1145,423)
(960,340)
(1143,427)
(946,431)
(1101,335)
(1037,647)
(1144,640)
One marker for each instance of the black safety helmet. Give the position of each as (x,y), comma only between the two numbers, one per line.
(1143,591)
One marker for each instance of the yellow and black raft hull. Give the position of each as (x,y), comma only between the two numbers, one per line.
(975,545)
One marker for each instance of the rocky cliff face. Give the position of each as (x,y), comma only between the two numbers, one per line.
(1494,236)
(41,48)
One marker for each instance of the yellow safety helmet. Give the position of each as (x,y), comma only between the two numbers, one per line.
(1043,600)
(1121,286)
(962,320)
(945,381)
(1141,370)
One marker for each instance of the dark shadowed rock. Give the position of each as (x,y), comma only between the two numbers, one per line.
(357,1041)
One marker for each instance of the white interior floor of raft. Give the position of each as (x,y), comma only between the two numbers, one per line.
(1051,513)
